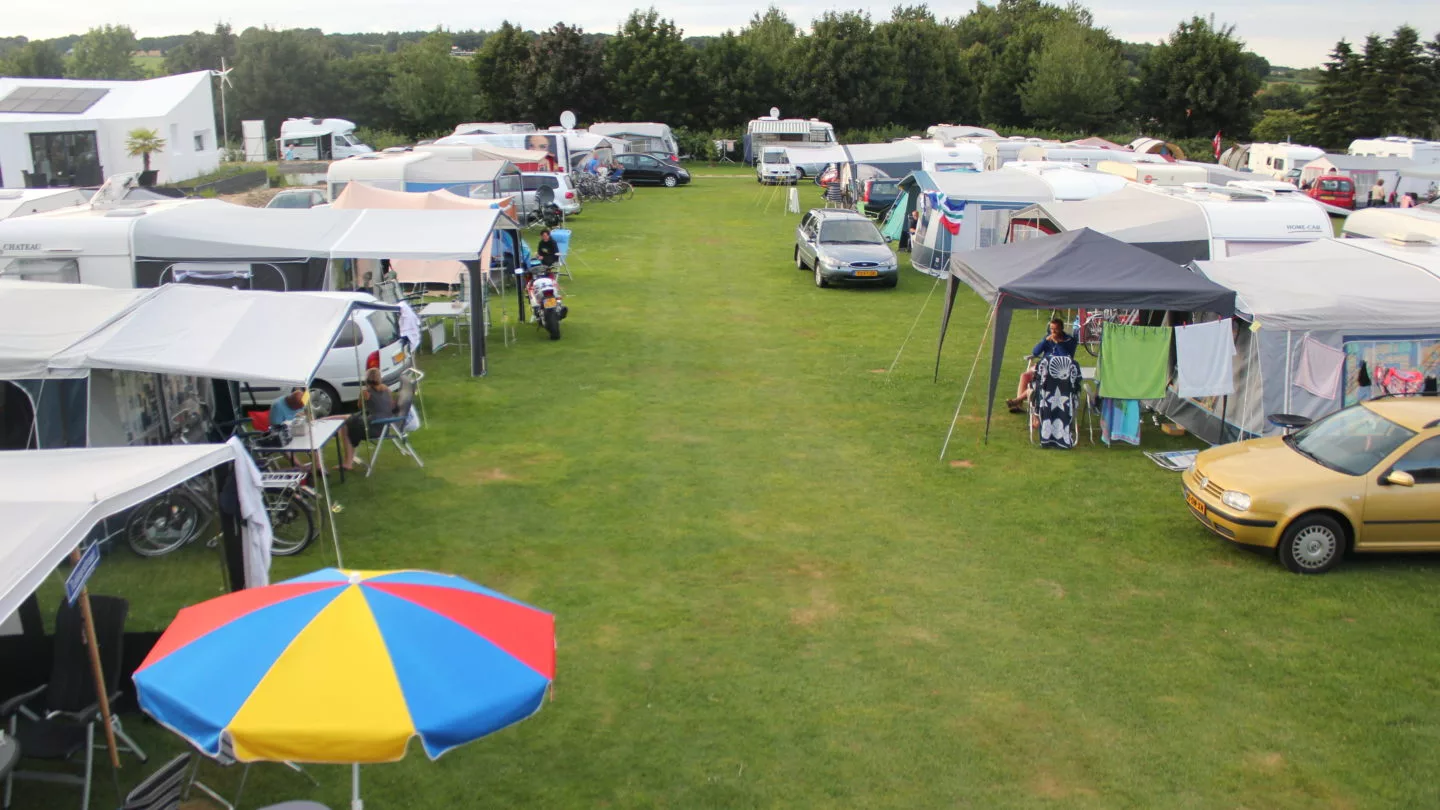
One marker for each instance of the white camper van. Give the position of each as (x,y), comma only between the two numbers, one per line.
(319,139)
(467,171)
(811,140)
(641,136)
(1280,160)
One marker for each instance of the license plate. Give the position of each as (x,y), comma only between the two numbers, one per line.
(867,273)
(1195,503)
(549,303)
(399,357)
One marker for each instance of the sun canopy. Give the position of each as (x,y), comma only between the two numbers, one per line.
(38,320)
(267,338)
(50,500)
(217,230)
(1351,284)
(1071,270)
(360,196)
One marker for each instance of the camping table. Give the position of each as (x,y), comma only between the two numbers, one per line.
(322,431)
(441,309)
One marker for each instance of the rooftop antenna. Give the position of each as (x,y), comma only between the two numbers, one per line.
(774,112)
(224,75)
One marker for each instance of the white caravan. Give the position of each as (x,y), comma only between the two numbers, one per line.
(938,158)
(16,202)
(1422,152)
(1280,160)
(492,128)
(812,140)
(319,139)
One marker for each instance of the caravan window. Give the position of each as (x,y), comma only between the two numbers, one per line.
(956,167)
(1279,163)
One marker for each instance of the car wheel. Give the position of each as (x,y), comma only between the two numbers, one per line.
(671,181)
(799,262)
(323,399)
(892,281)
(1313,544)
(820,277)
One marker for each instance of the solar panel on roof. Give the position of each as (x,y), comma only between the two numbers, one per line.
(59,100)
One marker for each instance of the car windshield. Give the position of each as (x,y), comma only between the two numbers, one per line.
(850,232)
(776,157)
(884,187)
(1351,441)
(291,201)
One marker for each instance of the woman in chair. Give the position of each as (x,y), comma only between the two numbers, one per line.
(1057,341)
(378,403)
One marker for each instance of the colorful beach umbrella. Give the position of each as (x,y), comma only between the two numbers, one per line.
(347,666)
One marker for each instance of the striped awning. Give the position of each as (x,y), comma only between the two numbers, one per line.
(789,126)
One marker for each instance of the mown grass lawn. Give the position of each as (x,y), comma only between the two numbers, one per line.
(770,592)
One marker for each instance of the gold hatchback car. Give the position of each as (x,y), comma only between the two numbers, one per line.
(1366,478)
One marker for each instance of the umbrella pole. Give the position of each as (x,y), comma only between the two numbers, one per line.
(96,670)
(355,802)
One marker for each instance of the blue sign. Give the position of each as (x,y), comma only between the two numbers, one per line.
(81,573)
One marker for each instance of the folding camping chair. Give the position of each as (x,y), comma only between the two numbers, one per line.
(562,241)
(57,721)
(162,790)
(394,427)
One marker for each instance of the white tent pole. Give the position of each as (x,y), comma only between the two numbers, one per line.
(966,390)
(908,335)
(1289,359)
(319,464)
(355,802)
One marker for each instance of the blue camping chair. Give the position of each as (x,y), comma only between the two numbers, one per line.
(562,241)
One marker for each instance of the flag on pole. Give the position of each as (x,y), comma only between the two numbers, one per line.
(1216,143)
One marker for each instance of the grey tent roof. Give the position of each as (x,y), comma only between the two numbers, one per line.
(1084,268)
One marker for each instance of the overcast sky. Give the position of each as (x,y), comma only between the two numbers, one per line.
(1298,34)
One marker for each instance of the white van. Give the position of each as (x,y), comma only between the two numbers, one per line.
(774,166)
(376,335)
(319,139)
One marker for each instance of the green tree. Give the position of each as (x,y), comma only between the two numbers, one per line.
(1405,75)
(1371,93)
(932,83)
(841,72)
(34,60)
(564,71)
(107,52)
(141,142)
(650,70)
(1199,81)
(359,91)
(727,95)
(1280,125)
(770,41)
(431,90)
(278,75)
(1284,96)
(202,51)
(1337,97)
(499,68)
(1076,81)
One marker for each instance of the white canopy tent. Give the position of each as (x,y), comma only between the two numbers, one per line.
(263,337)
(1372,301)
(51,500)
(39,320)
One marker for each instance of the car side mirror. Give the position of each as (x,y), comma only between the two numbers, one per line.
(1399,478)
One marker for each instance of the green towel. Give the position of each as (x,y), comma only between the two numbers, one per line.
(1134,361)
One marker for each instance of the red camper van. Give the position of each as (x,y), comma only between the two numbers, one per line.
(1333,189)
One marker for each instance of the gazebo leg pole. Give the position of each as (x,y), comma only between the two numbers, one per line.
(355,802)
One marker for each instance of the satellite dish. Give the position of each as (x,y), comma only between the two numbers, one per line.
(567,119)
(774,112)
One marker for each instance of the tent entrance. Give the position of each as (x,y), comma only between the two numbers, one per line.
(17,417)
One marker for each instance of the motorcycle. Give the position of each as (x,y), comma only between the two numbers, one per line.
(546,301)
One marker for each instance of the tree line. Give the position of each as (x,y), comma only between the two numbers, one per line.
(1016,65)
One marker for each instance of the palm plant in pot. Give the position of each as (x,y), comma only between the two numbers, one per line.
(140,143)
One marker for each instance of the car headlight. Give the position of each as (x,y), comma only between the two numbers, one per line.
(1235,500)
(831,264)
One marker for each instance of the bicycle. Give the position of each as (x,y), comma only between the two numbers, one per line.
(178,516)
(1092,324)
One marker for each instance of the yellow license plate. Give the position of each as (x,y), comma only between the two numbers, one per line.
(867,273)
(399,357)
(549,303)
(1195,503)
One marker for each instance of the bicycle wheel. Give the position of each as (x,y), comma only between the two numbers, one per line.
(626,191)
(164,524)
(292,522)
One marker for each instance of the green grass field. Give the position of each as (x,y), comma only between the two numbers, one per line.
(770,593)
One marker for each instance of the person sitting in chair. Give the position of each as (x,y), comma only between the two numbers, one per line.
(287,407)
(378,403)
(1055,342)
(547,249)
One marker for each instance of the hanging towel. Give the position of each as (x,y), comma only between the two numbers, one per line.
(1320,368)
(1120,421)
(1205,359)
(410,325)
(1134,361)
(255,531)
(1057,385)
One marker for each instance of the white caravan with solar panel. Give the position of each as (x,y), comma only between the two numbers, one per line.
(810,142)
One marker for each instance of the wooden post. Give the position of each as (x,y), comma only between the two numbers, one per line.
(97,671)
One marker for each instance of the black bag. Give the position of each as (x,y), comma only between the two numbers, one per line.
(276,436)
